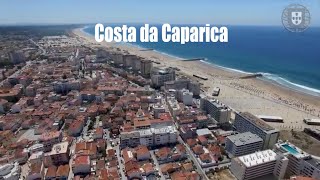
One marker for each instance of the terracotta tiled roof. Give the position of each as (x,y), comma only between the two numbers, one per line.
(191,142)
(63,171)
(205,157)
(51,172)
(163,152)
(141,150)
(82,160)
(198,149)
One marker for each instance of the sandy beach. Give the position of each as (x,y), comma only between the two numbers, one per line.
(253,95)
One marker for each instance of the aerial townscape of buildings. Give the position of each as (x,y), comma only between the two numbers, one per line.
(72,110)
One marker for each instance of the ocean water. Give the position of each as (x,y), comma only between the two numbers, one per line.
(288,59)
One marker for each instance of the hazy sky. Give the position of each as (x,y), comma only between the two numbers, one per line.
(244,12)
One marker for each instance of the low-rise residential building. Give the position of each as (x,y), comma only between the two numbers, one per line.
(166,154)
(36,171)
(76,126)
(87,148)
(59,153)
(81,165)
(36,157)
(63,172)
(142,153)
(51,173)
(98,134)
(4,105)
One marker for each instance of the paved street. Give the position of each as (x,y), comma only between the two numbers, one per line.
(120,159)
(193,158)
(157,165)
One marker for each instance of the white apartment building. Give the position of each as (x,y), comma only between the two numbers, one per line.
(165,135)
(258,164)
(173,105)
(149,137)
(300,162)
(185,96)
(158,109)
(146,137)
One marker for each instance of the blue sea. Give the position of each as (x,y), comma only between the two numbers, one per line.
(284,58)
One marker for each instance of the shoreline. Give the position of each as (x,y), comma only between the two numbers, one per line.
(258,96)
(311,91)
(274,79)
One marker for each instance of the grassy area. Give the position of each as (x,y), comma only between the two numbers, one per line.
(302,140)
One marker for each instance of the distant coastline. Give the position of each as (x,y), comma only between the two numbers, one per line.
(268,77)
(254,94)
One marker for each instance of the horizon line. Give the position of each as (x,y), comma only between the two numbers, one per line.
(138,23)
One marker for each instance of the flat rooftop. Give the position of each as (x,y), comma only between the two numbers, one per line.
(269,117)
(59,148)
(257,158)
(312,120)
(244,138)
(257,121)
(203,132)
(166,129)
(216,103)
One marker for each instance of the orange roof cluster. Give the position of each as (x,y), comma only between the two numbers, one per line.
(86,148)
(170,168)
(105,174)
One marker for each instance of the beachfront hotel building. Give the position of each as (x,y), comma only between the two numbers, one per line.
(146,66)
(259,164)
(128,60)
(220,112)
(300,162)
(160,76)
(184,83)
(246,122)
(243,143)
